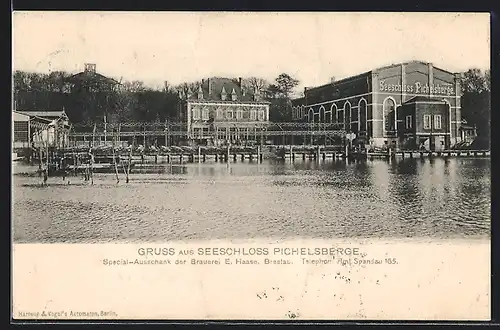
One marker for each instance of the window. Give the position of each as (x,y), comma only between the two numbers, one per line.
(229,114)
(333,109)
(239,114)
(322,114)
(340,116)
(262,115)
(347,114)
(253,115)
(204,114)
(389,114)
(437,121)
(196,114)
(408,122)
(220,113)
(362,114)
(427,122)
(21,129)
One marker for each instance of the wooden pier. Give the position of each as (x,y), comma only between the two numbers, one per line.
(126,159)
(429,154)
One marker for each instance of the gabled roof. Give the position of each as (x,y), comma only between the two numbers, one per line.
(217,85)
(43,113)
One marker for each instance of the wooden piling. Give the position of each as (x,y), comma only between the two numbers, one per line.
(91,167)
(115,165)
(129,163)
(199,154)
(48,161)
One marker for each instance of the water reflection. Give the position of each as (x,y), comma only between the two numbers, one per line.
(305,198)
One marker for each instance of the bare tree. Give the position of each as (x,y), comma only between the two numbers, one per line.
(255,84)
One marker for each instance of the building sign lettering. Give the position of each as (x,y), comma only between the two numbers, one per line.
(417,88)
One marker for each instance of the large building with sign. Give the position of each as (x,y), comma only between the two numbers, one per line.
(408,105)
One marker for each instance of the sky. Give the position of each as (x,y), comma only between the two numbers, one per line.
(182,47)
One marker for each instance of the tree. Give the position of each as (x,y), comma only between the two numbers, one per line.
(255,85)
(476,103)
(279,94)
(188,89)
(286,85)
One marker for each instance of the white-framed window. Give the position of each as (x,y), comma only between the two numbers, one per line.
(229,114)
(437,121)
(220,114)
(239,114)
(196,114)
(205,114)
(253,114)
(427,121)
(408,122)
(262,115)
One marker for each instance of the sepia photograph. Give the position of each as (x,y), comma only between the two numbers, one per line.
(251,166)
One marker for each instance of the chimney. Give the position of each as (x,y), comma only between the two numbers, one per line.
(209,86)
(239,82)
(90,67)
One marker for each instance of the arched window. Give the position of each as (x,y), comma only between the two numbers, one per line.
(340,116)
(311,115)
(389,114)
(302,112)
(362,115)
(322,114)
(328,117)
(333,110)
(347,114)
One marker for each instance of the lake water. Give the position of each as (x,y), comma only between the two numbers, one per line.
(437,198)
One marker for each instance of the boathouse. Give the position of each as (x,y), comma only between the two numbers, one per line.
(40,128)
(405,106)
(222,112)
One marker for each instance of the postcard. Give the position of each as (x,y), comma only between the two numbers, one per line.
(251,166)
